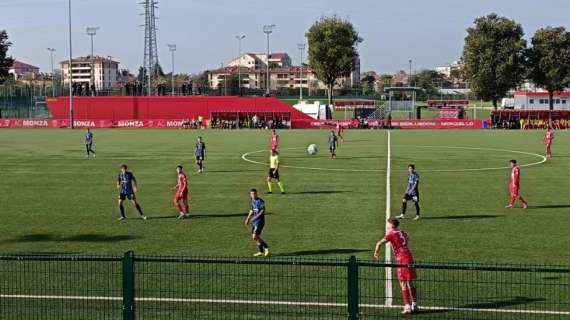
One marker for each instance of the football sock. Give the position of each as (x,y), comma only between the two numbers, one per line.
(269,186)
(186,209)
(280,184)
(417,208)
(179,208)
(512,201)
(522,200)
(139,209)
(404,207)
(405,296)
(122,208)
(413,294)
(260,247)
(87,149)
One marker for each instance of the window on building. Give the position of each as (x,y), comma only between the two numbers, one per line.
(531,101)
(563,101)
(557,101)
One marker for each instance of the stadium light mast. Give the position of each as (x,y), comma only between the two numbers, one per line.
(410,74)
(239,39)
(301,47)
(268,29)
(91,32)
(51,51)
(172,48)
(70,71)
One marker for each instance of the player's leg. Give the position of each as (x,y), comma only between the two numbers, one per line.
(404,207)
(413,297)
(261,244)
(186,207)
(138,206)
(405,296)
(121,208)
(91,148)
(87,150)
(178,207)
(523,201)
(269,187)
(279,183)
(416,200)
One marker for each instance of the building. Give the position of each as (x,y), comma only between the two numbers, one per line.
(106,72)
(21,70)
(540,100)
(282,74)
(448,69)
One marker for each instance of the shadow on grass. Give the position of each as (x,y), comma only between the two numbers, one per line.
(550,206)
(75,238)
(320,192)
(465,217)
(322,252)
(516,301)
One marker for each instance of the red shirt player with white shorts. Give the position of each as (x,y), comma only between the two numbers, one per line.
(274,141)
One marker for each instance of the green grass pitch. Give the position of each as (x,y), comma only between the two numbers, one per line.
(53,199)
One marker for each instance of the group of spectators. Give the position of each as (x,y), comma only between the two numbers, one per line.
(254,122)
(527,124)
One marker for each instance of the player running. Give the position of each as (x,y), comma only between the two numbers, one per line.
(514,186)
(339,129)
(274,140)
(89,143)
(256,217)
(200,153)
(274,172)
(412,192)
(181,196)
(333,144)
(127,185)
(548,138)
(399,241)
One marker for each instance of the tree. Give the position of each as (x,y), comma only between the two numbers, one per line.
(549,60)
(332,50)
(5,61)
(201,82)
(494,57)
(430,81)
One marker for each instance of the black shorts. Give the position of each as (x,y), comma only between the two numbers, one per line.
(412,197)
(257,227)
(125,196)
(273,174)
(199,158)
(332,149)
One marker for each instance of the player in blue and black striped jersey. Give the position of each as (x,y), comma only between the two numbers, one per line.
(412,192)
(127,185)
(200,152)
(256,217)
(89,143)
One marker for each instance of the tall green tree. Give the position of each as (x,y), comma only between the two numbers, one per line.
(494,57)
(549,60)
(332,50)
(430,81)
(5,61)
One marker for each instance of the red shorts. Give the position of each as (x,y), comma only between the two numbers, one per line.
(181,196)
(514,191)
(273,147)
(406,274)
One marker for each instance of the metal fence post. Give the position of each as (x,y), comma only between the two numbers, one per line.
(353,289)
(129,286)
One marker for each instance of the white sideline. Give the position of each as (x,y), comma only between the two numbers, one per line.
(269,302)
(388,255)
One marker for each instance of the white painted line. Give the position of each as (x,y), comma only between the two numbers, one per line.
(273,302)
(543,159)
(389,292)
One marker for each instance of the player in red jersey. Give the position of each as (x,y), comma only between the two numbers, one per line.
(406,276)
(548,138)
(274,140)
(181,196)
(514,186)
(339,131)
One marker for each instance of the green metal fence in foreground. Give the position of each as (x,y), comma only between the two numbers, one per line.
(142,287)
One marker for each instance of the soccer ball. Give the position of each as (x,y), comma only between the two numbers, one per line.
(312,149)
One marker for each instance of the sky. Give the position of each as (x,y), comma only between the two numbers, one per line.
(430,32)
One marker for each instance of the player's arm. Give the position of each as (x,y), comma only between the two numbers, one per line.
(379,244)
(135,185)
(118,183)
(249,216)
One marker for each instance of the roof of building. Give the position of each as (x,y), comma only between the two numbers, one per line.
(246,70)
(88,59)
(543,94)
(21,65)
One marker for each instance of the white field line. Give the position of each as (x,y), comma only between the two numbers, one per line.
(270,302)
(387,254)
(543,159)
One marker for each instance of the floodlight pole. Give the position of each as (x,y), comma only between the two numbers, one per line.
(91,32)
(268,29)
(239,39)
(172,48)
(301,47)
(70,71)
(51,50)
(410,74)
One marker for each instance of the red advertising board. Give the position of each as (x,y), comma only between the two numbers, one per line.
(63,123)
(437,124)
